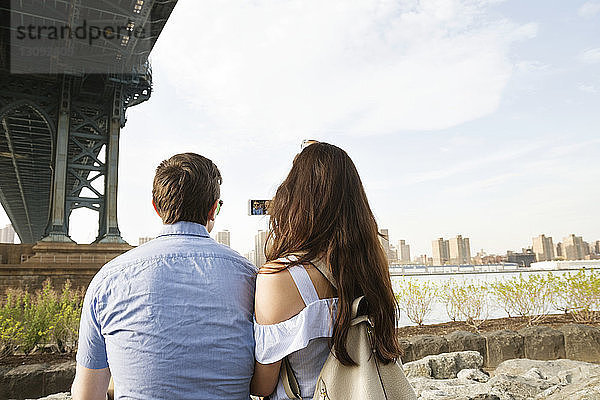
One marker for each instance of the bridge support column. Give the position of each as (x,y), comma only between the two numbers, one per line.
(58,228)
(108,227)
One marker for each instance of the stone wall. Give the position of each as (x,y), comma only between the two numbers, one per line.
(34,381)
(572,341)
(31,277)
(11,253)
(28,266)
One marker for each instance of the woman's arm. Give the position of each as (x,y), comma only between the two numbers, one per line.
(277,299)
(265,378)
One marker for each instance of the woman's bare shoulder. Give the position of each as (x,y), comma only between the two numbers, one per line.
(277,298)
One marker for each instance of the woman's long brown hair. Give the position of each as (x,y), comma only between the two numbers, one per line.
(321,210)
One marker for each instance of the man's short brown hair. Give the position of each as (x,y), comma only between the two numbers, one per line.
(185,188)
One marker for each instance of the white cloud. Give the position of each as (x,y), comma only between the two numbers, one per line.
(472,164)
(589,9)
(588,88)
(531,66)
(365,67)
(591,56)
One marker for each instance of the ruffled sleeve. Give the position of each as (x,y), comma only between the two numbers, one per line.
(274,342)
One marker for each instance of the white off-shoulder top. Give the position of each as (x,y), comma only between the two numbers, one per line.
(304,338)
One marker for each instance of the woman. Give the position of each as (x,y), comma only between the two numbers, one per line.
(320,214)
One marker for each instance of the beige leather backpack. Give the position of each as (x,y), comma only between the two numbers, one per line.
(368,380)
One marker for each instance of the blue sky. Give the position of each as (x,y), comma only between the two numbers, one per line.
(479,117)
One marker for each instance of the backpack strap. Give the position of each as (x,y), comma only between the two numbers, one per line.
(290,383)
(322,268)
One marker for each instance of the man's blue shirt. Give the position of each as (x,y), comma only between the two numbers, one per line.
(172,319)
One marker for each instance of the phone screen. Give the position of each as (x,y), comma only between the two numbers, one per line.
(258,207)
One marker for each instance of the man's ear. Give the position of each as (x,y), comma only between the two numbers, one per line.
(155,209)
(213,210)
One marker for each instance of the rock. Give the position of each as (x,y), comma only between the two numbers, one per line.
(473,375)
(502,345)
(45,349)
(588,389)
(444,366)
(551,390)
(534,373)
(58,396)
(425,345)
(406,350)
(463,341)
(447,389)
(582,342)
(36,380)
(59,377)
(519,387)
(25,381)
(520,379)
(417,368)
(568,370)
(543,343)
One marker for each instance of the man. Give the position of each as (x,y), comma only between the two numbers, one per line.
(171,319)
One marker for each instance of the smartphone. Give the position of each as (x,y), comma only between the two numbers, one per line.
(258,207)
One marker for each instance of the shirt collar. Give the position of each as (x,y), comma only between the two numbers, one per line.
(184,228)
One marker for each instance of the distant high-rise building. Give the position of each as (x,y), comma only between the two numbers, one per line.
(250,256)
(403,252)
(384,239)
(392,255)
(595,247)
(558,252)
(259,248)
(543,248)
(460,250)
(422,259)
(573,248)
(224,237)
(441,251)
(144,239)
(7,234)
(389,251)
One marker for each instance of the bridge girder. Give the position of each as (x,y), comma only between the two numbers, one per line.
(59,133)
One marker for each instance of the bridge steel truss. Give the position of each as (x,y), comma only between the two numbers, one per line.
(59,141)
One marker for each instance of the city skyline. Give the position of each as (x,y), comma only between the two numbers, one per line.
(476,118)
(453,251)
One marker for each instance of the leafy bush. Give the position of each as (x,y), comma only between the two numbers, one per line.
(530,297)
(66,322)
(580,294)
(11,334)
(46,317)
(466,301)
(416,299)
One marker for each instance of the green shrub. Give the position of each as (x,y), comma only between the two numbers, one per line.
(466,301)
(45,317)
(38,317)
(416,299)
(580,294)
(11,335)
(66,322)
(530,297)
